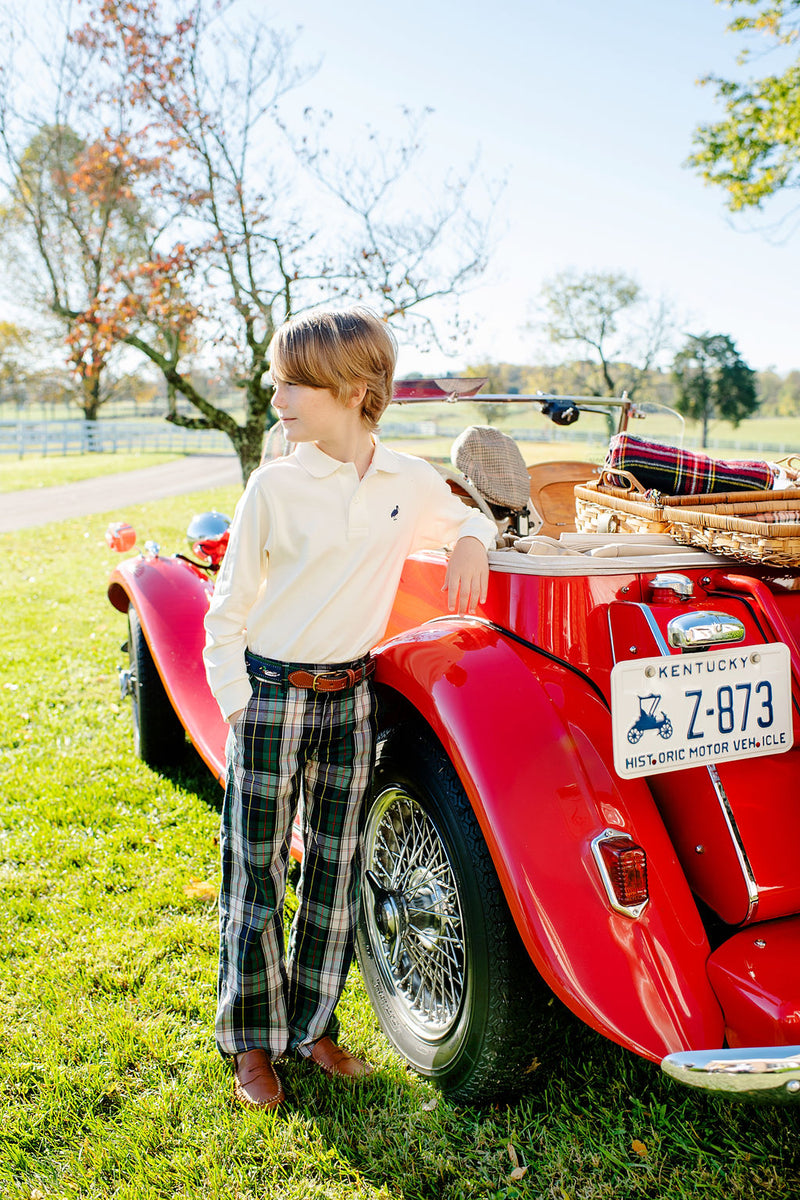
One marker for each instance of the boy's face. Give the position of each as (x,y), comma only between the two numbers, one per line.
(310,414)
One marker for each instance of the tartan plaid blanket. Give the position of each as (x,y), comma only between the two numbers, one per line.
(780,516)
(677,472)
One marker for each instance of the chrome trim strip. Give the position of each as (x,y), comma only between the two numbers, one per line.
(766,1073)
(736,838)
(663,648)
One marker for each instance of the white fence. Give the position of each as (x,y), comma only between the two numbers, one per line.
(113,436)
(109,437)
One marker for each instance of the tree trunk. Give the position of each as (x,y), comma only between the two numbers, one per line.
(90,400)
(248,446)
(247,439)
(611,416)
(248,442)
(706,422)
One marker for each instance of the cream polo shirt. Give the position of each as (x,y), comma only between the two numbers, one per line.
(315,557)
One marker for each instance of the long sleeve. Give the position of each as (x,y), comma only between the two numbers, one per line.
(446,519)
(240,581)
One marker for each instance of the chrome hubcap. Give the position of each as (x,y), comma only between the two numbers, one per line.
(413,914)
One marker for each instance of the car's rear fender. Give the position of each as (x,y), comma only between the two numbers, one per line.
(171,600)
(530,739)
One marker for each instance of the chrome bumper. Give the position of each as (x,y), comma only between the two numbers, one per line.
(767,1073)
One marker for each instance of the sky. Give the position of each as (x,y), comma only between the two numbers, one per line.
(586,110)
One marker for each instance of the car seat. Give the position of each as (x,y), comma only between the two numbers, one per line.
(552,490)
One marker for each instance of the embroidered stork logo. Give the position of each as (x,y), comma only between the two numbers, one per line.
(395,512)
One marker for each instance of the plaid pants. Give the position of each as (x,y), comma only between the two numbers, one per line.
(287,737)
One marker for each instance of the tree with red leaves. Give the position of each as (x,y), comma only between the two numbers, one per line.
(234,223)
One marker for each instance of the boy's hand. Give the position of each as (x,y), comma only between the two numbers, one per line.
(467,577)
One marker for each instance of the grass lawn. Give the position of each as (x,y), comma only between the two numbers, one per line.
(110,1085)
(46,470)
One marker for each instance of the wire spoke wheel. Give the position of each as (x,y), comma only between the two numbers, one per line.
(415,917)
(443,965)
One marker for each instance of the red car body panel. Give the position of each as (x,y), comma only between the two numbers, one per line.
(763,797)
(756,975)
(540,801)
(171,598)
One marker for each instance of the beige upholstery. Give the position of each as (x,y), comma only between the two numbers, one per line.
(597,554)
(552,491)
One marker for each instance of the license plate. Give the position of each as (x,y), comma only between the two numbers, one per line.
(686,710)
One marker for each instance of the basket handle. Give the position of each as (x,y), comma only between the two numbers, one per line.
(609,474)
(786,463)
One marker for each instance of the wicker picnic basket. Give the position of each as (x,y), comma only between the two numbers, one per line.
(603,507)
(764,530)
(757,526)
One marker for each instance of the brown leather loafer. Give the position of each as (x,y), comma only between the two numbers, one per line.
(335,1060)
(256,1083)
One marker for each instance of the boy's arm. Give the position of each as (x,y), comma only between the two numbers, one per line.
(237,586)
(445,519)
(466,580)
(471,534)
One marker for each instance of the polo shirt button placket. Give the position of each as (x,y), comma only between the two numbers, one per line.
(357,524)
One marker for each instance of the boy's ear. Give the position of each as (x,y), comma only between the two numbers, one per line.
(357,395)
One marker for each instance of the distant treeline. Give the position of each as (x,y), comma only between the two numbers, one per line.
(53,392)
(778,395)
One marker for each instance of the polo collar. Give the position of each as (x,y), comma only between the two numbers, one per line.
(320,465)
(384,459)
(315,461)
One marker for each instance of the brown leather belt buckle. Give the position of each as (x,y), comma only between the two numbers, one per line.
(331,681)
(334,681)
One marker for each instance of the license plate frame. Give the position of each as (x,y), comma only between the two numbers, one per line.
(687,710)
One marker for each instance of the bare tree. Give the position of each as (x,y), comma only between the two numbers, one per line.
(607,321)
(71,213)
(237,226)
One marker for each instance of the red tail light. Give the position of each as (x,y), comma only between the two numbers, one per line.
(623,866)
(120,536)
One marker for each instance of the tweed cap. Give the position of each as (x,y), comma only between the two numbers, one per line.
(492,462)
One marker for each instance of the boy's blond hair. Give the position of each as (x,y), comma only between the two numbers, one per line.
(336,349)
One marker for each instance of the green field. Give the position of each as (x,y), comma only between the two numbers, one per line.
(749,439)
(110,1085)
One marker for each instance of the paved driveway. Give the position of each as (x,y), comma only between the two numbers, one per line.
(113,493)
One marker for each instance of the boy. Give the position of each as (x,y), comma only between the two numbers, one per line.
(316,548)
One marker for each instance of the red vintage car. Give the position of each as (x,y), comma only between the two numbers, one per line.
(591,788)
